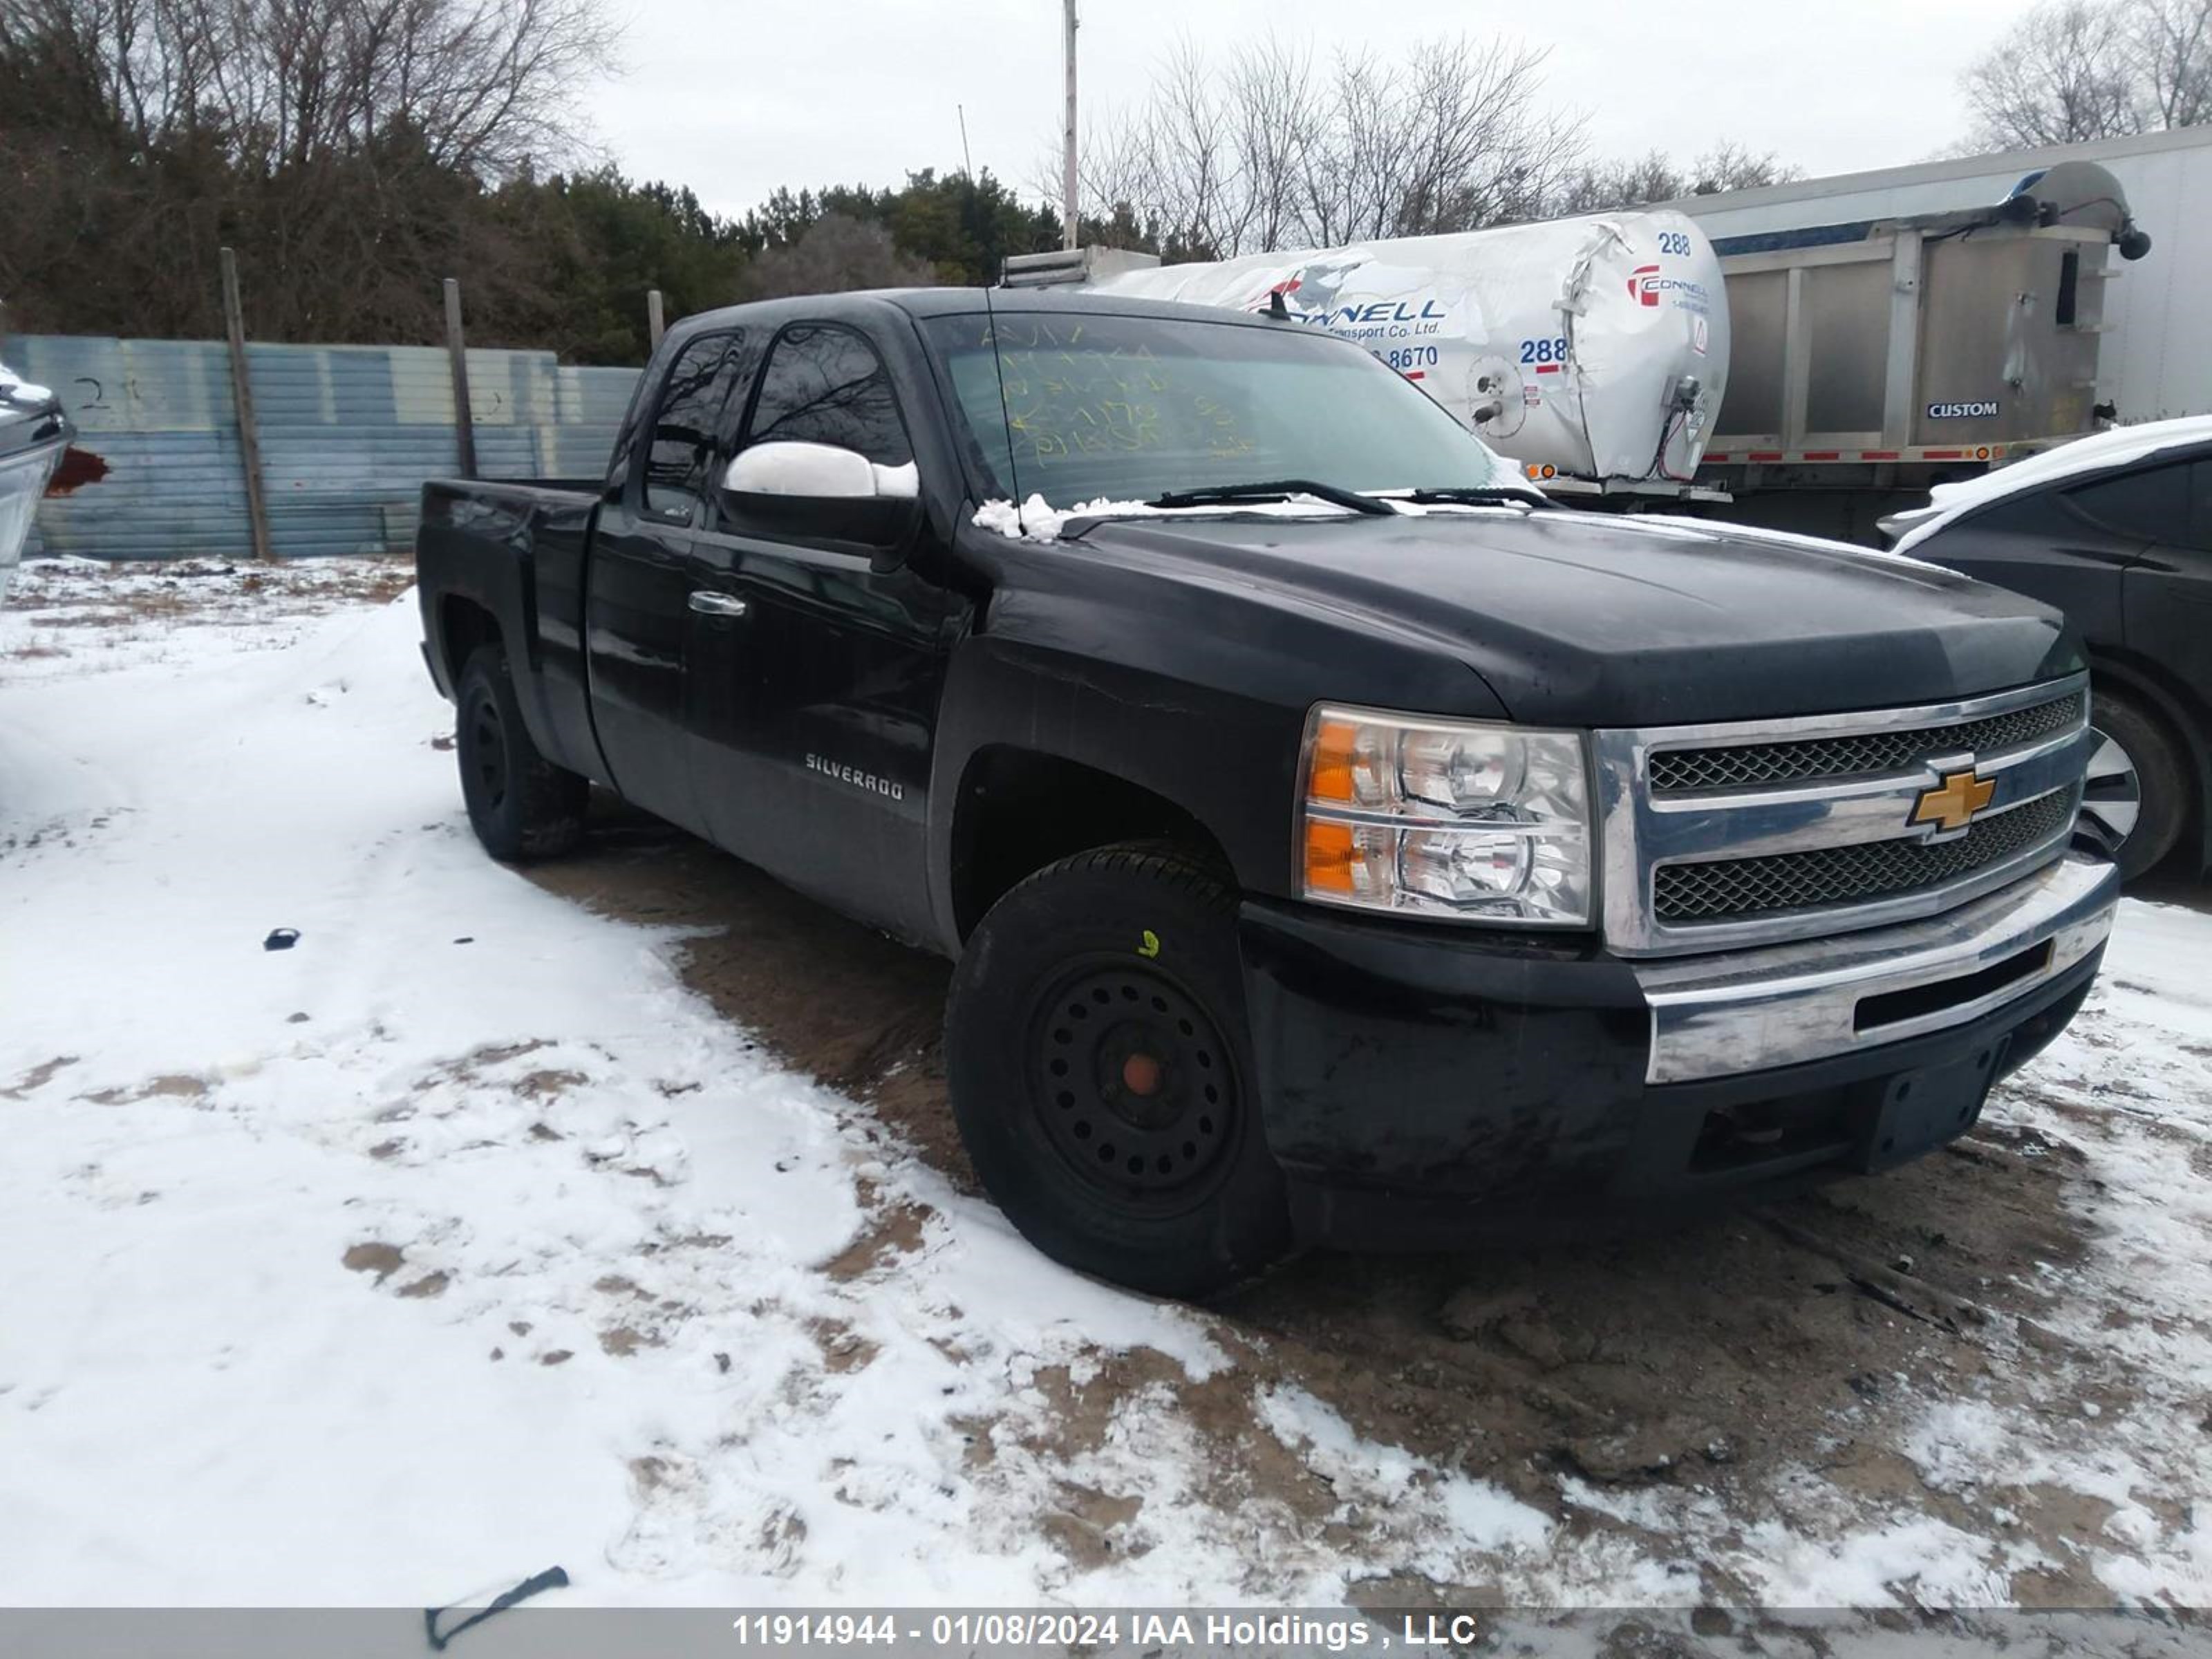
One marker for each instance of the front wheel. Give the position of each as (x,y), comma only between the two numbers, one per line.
(1101,1074)
(2134,801)
(520,805)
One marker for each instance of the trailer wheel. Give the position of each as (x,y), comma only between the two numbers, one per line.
(2136,800)
(1101,1074)
(520,805)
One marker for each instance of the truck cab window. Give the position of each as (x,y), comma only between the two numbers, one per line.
(825,385)
(683,427)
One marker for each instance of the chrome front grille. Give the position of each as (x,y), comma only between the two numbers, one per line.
(1721,888)
(1720,835)
(1693,771)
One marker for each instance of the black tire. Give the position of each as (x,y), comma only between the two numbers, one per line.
(1101,1072)
(2137,802)
(520,805)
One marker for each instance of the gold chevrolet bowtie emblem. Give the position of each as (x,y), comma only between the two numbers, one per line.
(1952,802)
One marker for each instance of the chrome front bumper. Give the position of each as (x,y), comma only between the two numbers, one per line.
(1758,1009)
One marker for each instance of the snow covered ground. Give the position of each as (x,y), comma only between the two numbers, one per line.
(463,1238)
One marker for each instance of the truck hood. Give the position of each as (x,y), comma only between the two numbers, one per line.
(1594,619)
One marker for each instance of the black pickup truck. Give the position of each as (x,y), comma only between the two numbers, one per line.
(1337,841)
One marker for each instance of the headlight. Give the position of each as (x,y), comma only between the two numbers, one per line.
(1445,817)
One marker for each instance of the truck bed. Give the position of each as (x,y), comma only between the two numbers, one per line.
(514,548)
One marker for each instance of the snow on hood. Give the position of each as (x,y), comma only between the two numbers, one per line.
(2082,456)
(1037,521)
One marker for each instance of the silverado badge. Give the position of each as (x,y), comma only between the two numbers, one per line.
(1951,805)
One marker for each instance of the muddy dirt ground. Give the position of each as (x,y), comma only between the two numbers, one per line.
(1723,1361)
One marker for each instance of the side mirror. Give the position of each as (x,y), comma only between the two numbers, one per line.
(824,471)
(827,492)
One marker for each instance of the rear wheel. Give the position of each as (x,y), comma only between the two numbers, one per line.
(2134,801)
(520,805)
(1101,1077)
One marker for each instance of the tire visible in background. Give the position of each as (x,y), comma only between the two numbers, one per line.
(2160,787)
(1100,1073)
(520,805)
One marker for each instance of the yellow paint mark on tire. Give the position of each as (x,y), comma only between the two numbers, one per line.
(1151,947)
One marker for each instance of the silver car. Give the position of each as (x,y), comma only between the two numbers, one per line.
(34,432)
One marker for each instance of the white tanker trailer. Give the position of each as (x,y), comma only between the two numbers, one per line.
(1592,351)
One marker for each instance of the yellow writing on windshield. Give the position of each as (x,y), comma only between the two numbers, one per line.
(1065,399)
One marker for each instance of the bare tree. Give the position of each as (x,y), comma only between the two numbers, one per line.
(1189,150)
(2171,42)
(1277,124)
(1656,176)
(484,85)
(1597,186)
(2062,75)
(833,255)
(1266,150)
(1732,166)
(2073,69)
(1482,149)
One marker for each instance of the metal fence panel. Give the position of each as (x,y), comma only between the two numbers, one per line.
(348,433)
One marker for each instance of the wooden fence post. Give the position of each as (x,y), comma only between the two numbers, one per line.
(654,325)
(241,392)
(457,349)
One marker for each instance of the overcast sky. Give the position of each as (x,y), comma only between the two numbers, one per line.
(735,97)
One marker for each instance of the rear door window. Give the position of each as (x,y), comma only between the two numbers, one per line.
(682,436)
(2151,504)
(2200,506)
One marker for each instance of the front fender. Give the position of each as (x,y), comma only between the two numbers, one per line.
(1190,682)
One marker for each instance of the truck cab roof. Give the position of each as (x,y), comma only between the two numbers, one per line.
(925,302)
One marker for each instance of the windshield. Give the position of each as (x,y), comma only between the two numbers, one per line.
(1103,408)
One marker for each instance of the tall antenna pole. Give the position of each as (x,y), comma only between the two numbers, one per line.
(1068,228)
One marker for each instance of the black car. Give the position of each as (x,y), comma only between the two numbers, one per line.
(2124,546)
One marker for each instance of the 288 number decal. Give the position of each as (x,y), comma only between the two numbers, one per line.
(1673,241)
(1544,351)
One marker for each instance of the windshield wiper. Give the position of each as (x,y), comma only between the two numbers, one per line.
(1280,490)
(1472,495)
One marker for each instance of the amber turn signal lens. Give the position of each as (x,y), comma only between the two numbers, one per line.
(1330,778)
(1328,857)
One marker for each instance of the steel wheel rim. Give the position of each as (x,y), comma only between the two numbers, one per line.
(1132,1082)
(2111,794)
(488,751)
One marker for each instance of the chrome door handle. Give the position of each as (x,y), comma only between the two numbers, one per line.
(710,604)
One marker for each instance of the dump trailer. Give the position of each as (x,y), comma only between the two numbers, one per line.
(1874,358)
(1592,351)
(2155,359)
